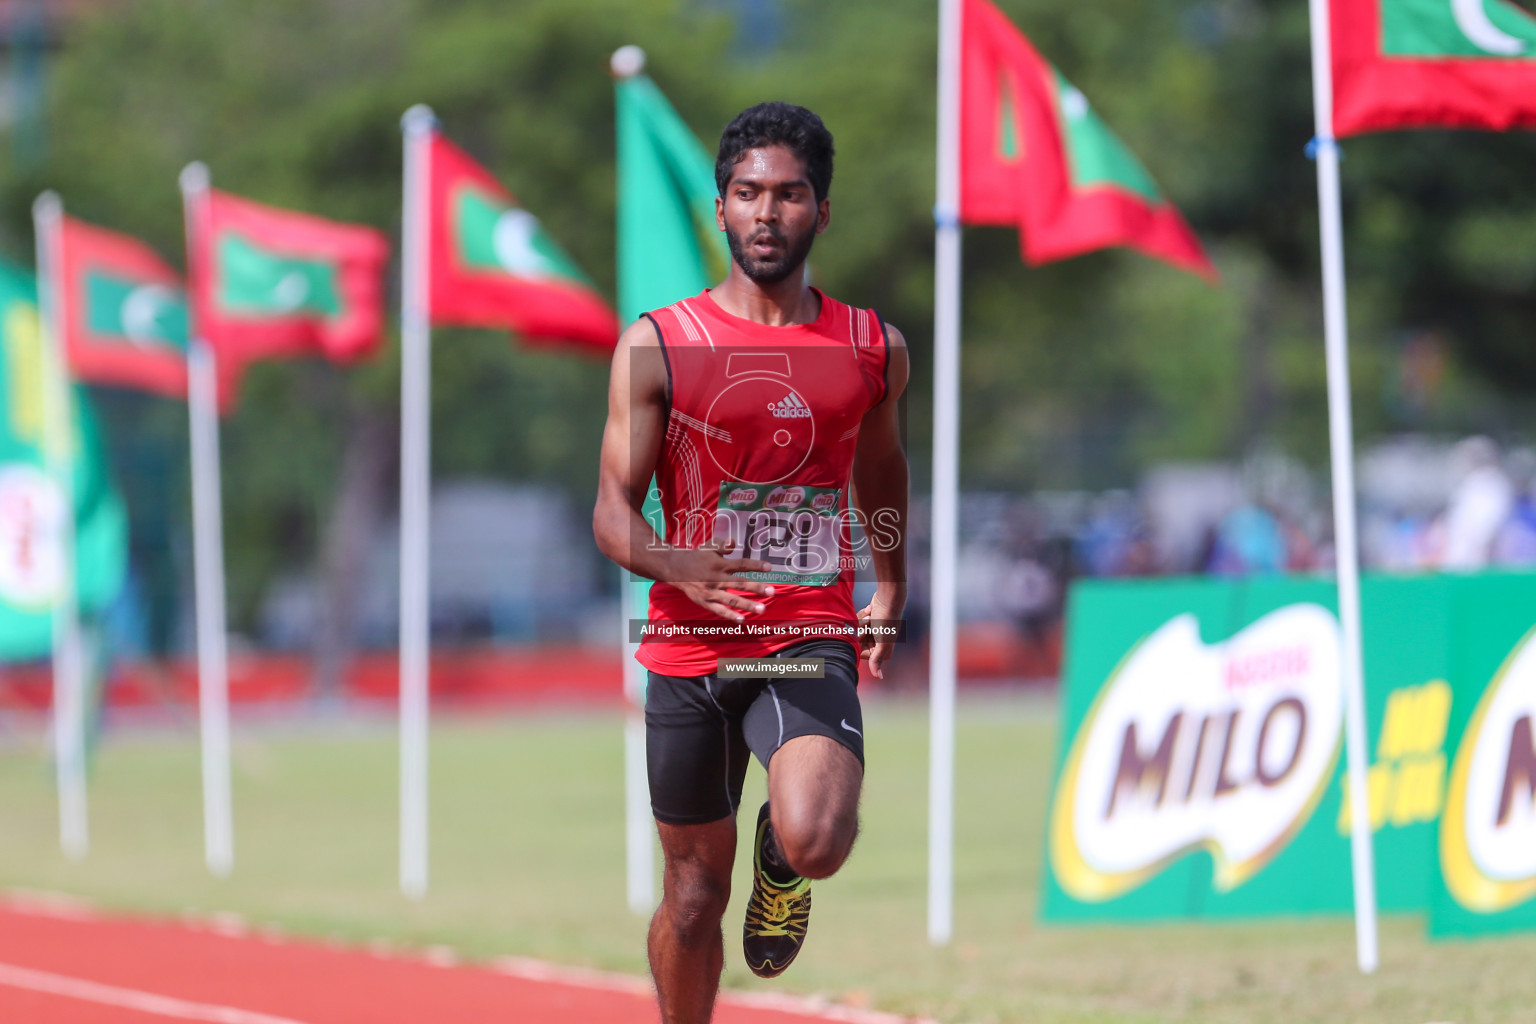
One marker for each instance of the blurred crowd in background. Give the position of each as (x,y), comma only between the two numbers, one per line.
(1424,505)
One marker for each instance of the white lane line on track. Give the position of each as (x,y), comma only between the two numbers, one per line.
(46,904)
(526,968)
(131,999)
(815,1009)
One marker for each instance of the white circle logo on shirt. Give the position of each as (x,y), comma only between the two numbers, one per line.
(750,412)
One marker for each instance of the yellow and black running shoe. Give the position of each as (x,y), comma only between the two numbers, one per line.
(778,912)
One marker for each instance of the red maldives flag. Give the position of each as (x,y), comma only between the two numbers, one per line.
(493,264)
(268,283)
(1033,154)
(122,310)
(1432,64)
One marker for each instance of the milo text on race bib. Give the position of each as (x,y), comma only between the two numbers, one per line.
(794,528)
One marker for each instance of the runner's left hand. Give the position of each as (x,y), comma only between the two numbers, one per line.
(885,608)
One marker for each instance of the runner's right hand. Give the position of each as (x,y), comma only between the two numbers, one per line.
(707,577)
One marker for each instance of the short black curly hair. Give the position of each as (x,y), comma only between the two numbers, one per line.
(778,124)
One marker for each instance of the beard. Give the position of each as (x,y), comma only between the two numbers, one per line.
(791,256)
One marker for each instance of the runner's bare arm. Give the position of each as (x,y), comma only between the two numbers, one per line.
(880,480)
(637,411)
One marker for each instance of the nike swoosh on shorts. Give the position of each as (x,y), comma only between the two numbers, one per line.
(851,729)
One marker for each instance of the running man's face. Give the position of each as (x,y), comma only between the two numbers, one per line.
(769,214)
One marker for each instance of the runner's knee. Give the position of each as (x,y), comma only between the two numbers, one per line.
(696,899)
(815,845)
(813,786)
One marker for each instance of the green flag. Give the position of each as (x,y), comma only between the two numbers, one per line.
(31,507)
(669,247)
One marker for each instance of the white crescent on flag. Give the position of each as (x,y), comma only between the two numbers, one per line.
(515,232)
(1472,18)
(291,291)
(141,313)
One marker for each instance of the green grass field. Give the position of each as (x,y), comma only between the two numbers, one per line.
(527,859)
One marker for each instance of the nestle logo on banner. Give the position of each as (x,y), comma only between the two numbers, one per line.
(790,408)
(785,497)
(823,502)
(742,496)
(1267,666)
(1226,746)
(1488,831)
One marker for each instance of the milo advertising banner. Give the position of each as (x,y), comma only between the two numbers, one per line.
(32,505)
(1486,880)
(1201,764)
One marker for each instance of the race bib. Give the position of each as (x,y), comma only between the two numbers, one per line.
(795,529)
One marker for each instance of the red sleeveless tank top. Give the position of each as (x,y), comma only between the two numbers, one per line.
(762,427)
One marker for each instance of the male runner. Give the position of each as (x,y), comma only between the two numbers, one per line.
(767,413)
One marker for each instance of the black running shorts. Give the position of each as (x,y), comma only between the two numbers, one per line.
(699,729)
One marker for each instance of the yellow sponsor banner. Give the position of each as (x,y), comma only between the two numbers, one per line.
(1406,784)
(22,336)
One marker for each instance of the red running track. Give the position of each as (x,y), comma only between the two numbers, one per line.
(60,964)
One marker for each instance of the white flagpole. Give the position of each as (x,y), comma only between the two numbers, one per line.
(639,846)
(1341,445)
(946,486)
(59,449)
(415,490)
(208,555)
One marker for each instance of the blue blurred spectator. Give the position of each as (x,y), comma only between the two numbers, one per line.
(1248,540)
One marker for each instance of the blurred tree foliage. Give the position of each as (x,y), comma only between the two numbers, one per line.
(1076,375)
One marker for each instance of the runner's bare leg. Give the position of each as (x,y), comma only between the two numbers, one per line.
(813,799)
(686,945)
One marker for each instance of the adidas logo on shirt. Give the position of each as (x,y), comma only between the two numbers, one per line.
(790,408)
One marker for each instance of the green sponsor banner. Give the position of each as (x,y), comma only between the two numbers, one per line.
(668,245)
(1485,880)
(31,502)
(1201,769)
